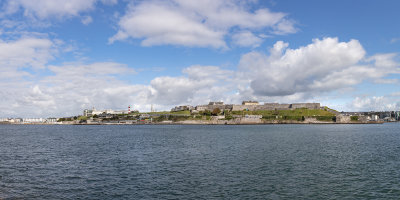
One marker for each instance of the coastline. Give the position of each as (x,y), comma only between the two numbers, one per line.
(198,122)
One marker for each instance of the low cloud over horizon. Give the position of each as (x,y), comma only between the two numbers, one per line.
(228,51)
(282,74)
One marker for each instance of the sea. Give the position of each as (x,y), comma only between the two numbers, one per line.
(346,161)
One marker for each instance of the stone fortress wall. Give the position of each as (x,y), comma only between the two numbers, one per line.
(254,107)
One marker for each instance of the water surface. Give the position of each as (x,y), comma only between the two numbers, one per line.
(200,162)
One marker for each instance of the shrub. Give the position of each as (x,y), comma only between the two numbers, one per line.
(354,118)
(324,118)
(298,118)
(268,117)
(228,117)
(215,112)
(205,113)
(81,118)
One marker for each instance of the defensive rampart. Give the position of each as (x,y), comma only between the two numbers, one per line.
(276,106)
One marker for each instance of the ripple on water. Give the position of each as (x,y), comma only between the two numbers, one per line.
(200,162)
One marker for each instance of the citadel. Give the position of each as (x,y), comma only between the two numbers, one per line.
(216,112)
(248,106)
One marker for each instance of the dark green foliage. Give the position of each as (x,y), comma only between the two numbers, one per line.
(64,119)
(297,118)
(61,119)
(216,111)
(268,117)
(354,118)
(205,113)
(115,117)
(160,118)
(178,118)
(228,117)
(325,118)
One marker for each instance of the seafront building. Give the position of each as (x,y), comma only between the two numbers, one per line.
(50,120)
(93,111)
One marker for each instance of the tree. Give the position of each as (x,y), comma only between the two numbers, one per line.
(354,118)
(216,111)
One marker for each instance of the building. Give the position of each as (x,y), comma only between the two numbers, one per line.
(89,113)
(51,120)
(276,106)
(182,108)
(33,120)
(254,106)
(247,103)
(16,120)
(374,117)
(397,115)
(212,103)
(144,116)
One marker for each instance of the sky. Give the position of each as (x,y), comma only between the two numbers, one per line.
(59,57)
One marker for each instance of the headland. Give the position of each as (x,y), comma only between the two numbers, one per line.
(214,113)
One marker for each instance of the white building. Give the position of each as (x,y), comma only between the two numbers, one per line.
(51,120)
(92,112)
(4,120)
(33,120)
(374,117)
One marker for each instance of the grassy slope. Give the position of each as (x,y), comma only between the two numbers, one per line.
(185,112)
(297,112)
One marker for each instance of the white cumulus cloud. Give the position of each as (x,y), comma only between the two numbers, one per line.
(40,11)
(322,66)
(287,75)
(198,23)
(49,8)
(25,52)
(375,103)
(246,39)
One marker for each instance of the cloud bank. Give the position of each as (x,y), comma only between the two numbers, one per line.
(199,23)
(281,74)
(41,11)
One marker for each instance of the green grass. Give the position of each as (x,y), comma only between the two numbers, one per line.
(297,112)
(184,112)
(82,118)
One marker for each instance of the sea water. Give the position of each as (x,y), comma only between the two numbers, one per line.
(200,161)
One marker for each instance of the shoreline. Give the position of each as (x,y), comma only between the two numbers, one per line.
(200,123)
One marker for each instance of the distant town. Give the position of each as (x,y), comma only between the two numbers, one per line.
(249,112)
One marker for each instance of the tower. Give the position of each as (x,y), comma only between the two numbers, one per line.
(129,108)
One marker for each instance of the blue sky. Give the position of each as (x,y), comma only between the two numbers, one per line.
(60,57)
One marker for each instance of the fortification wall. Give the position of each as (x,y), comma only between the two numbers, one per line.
(212,107)
(242,107)
(306,105)
(276,106)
